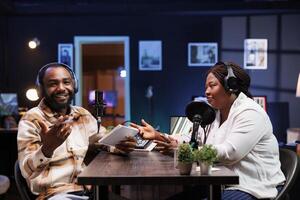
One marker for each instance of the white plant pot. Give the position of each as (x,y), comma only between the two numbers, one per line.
(205,168)
(185,168)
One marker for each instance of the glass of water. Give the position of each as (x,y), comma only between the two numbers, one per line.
(175,157)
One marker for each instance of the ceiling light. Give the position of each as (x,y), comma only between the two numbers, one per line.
(122,72)
(32,94)
(33,43)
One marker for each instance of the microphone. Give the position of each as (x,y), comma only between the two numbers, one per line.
(201,114)
(99,107)
(201,108)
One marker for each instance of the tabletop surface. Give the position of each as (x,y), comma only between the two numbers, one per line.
(146,168)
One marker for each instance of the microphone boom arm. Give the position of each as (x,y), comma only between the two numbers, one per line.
(197,119)
(200,114)
(99,106)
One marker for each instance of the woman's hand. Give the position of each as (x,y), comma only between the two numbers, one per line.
(146,130)
(167,147)
(127,145)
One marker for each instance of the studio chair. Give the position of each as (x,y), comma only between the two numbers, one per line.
(4,185)
(21,183)
(290,167)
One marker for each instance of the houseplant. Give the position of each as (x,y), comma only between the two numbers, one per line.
(205,156)
(185,159)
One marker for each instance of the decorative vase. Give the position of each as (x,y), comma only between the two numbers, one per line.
(185,168)
(205,168)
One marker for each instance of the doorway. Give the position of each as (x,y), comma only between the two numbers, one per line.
(98,61)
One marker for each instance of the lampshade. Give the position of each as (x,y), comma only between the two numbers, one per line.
(298,87)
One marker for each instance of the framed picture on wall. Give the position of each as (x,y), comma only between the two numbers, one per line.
(65,54)
(150,56)
(202,54)
(255,53)
(262,101)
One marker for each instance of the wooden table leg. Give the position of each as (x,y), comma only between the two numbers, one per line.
(96,192)
(214,192)
(101,192)
(116,189)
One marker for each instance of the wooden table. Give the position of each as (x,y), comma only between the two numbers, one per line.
(148,168)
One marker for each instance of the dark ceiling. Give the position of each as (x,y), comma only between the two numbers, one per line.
(111,7)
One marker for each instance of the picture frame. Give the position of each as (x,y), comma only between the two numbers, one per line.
(150,55)
(202,54)
(261,100)
(65,54)
(255,54)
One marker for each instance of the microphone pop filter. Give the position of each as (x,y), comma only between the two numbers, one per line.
(201,108)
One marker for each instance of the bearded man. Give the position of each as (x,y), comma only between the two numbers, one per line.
(54,137)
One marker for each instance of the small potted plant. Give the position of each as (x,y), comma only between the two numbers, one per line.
(205,156)
(185,159)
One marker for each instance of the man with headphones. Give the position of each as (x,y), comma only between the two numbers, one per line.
(242,134)
(54,137)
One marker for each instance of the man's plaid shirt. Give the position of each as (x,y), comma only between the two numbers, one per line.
(47,176)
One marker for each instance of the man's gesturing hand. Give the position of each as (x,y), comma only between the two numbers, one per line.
(55,136)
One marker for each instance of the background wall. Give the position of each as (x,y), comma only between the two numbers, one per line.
(279,81)
(175,85)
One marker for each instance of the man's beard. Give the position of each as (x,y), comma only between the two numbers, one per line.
(56,106)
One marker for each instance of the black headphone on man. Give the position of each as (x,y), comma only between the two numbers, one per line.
(231,82)
(41,74)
